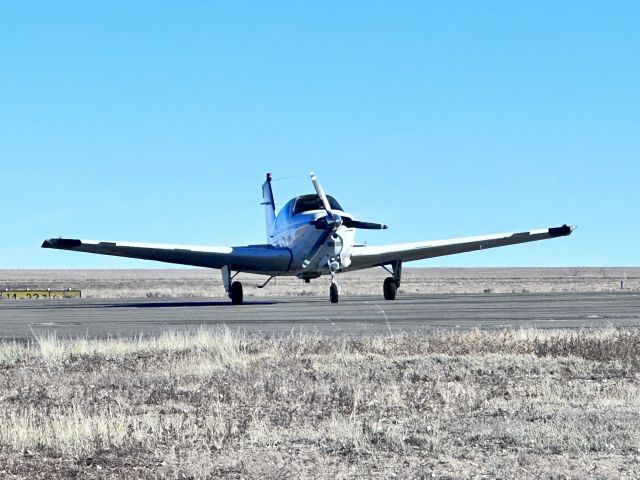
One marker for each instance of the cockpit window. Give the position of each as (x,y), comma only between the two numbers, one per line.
(304,203)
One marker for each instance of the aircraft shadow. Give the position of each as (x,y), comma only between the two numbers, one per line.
(141,304)
(185,304)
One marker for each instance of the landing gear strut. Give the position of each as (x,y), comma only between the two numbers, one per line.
(391,284)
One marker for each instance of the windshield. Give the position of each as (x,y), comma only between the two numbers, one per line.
(304,203)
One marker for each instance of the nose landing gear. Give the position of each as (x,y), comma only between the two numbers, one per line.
(334,290)
(334,295)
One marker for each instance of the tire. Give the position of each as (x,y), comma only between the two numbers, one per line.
(389,288)
(235,293)
(333,293)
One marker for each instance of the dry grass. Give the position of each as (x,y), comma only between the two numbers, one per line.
(208,283)
(514,404)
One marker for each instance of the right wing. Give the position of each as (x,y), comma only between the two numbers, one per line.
(366,257)
(251,259)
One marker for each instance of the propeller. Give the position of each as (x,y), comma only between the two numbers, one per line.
(332,222)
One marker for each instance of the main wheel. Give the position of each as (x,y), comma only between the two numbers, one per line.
(389,288)
(235,293)
(333,293)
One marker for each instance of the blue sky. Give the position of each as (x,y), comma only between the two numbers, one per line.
(156,122)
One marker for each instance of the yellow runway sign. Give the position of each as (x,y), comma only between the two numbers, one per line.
(38,294)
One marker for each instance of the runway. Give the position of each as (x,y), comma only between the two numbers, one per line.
(21,320)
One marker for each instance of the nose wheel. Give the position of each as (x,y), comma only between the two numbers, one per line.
(334,295)
(334,291)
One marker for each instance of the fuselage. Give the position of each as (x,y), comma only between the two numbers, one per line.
(297,228)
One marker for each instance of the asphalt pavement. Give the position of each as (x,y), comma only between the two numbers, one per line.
(356,316)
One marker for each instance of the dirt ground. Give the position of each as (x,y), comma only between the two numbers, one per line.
(208,283)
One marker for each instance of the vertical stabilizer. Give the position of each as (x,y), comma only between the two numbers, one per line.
(269,208)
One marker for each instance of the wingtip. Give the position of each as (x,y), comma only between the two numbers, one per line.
(562,231)
(61,243)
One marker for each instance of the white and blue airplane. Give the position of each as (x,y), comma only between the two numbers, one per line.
(311,236)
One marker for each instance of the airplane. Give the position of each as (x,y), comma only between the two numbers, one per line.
(312,235)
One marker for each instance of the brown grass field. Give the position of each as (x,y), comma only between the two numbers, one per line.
(519,404)
(208,283)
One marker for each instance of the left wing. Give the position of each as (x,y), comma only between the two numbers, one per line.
(365,256)
(251,258)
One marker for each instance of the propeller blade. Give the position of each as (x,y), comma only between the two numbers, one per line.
(316,247)
(320,192)
(350,223)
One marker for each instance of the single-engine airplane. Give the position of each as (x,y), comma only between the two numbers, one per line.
(311,236)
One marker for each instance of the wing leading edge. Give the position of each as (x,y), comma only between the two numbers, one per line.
(251,259)
(366,256)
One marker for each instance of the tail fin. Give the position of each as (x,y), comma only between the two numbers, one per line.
(269,208)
